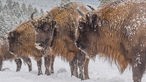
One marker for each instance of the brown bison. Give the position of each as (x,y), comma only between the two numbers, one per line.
(22,43)
(118,32)
(57,30)
(6,55)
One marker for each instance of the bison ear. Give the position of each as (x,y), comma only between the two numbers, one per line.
(13,34)
(98,21)
(10,35)
(16,33)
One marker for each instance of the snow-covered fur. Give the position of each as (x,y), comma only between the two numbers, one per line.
(118,32)
(62,43)
(22,43)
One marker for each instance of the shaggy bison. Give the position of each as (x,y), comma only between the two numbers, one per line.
(6,55)
(57,30)
(22,43)
(117,31)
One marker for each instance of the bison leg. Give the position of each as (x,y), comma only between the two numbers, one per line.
(81,76)
(47,64)
(1,64)
(39,64)
(138,65)
(52,64)
(19,64)
(73,67)
(28,62)
(86,69)
(81,63)
(81,70)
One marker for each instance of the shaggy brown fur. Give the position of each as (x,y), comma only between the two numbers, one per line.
(64,35)
(117,31)
(22,43)
(6,55)
(63,45)
(25,34)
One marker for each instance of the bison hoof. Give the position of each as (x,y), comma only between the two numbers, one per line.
(86,78)
(30,69)
(40,73)
(52,72)
(47,72)
(17,70)
(81,77)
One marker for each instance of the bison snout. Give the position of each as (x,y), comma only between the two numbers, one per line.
(79,45)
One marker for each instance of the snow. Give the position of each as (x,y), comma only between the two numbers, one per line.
(99,71)
(48,4)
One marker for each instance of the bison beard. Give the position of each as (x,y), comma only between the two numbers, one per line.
(116,31)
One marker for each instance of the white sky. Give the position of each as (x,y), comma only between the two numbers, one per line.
(48,4)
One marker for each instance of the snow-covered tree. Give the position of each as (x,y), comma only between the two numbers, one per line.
(1,6)
(9,4)
(41,11)
(30,10)
(23,9)
(16,10)
(105,1)
(64,2)
(13,13)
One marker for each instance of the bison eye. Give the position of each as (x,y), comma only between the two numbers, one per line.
(80,27)
(81,24)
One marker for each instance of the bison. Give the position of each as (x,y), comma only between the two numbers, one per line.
(6,55)
(22,43)
(56,32)
(118,32)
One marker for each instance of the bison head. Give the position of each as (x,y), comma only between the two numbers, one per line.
(44,27)
(13,39)
(88,32)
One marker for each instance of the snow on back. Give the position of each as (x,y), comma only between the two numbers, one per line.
(137,21)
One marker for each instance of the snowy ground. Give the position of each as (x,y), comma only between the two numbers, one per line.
(99,71)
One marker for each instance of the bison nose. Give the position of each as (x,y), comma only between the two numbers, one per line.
(80,45)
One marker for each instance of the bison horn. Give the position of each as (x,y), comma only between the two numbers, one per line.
(80,12)
(91,7)
(33,15)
